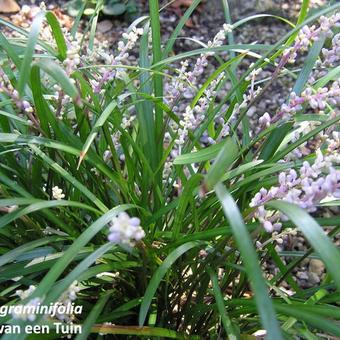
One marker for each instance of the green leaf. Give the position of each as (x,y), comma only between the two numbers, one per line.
(57,34)
(8,218)
(187,194)
(25,68)
(314,234)
(157,82)
(141,331)
(332,74)
(93,315)
(73,250)
(308,64)
(99,123)
(274,141)
(59,75)
(62,285)
(184,18)
(251,263)
(241,169)
(81,187)
(205,154)
(279,155)
(114,9)
(4,43)
(224,160)
(226,321)
(158,276)
(16,252)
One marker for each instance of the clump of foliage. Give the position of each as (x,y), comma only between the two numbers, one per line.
(107,7)
(144,195)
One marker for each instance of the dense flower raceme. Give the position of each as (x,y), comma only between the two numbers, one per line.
(332,55)
(317,100)
(309,34)
(323,96)
(125,230)
(178,85)
(124,46)
(65,299)
(306,187)
(57,193)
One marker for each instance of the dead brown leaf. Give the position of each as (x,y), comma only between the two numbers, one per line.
(181,3)
(189,23)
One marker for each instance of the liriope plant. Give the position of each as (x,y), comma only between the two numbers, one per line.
(145,194)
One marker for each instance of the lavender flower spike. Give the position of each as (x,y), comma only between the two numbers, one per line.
(125,230)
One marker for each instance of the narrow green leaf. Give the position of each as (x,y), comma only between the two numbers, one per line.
(57,34)
(226,321)
(93,315)
(224,160)
(180,25)
(158,276)
(62,285)
(314,234)
(8,218)
(25,68)
(73,250)
(141,331)
(187,194)
(158,82)
(99,123)
(251,263)
(306,137)
(205,154)
(81,187)
(16,252)
(332,74)
(308,64)
(274,141)
(59,75)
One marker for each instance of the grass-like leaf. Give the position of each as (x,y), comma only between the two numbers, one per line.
(249,257)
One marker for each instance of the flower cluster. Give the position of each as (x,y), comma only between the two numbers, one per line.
(26,316)
(202,61)
(193,117)
(57,193)
(332,55)
(73,58)
(24,294)
(65,299)
(124,47)
(7,88)
(179,85)
(125,230)
(309,34)
(306,188)
(317,100)
(265,120)
(334,144)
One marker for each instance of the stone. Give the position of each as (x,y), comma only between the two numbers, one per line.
(9,6)
(316,266)
(313,278)
(105,26)
(302,276)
